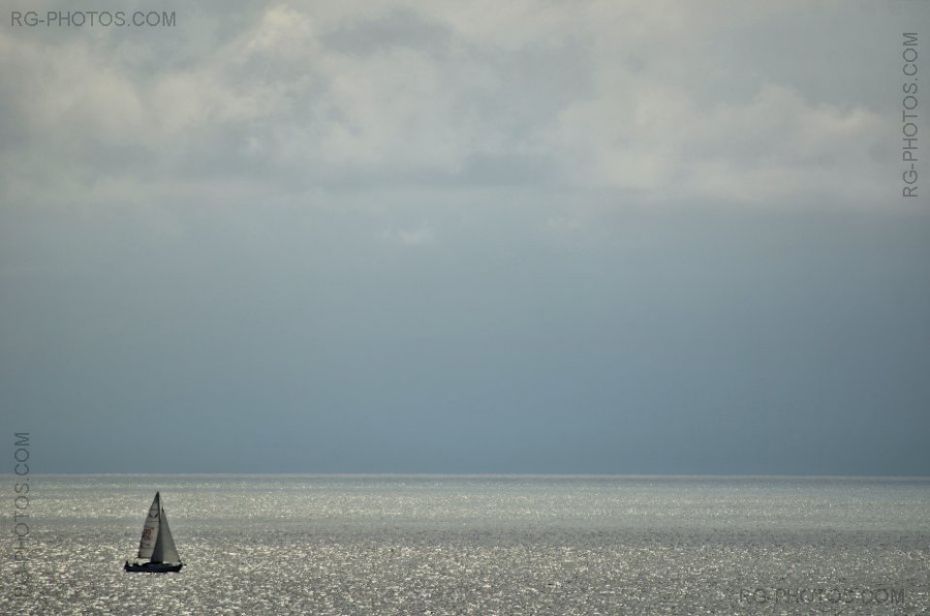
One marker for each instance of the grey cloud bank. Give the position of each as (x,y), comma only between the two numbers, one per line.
(446,237)
(664,101)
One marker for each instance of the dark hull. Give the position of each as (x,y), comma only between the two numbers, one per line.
(152,568)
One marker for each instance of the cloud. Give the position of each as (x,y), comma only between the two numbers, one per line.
(422,235)
(777,145)
(654,101)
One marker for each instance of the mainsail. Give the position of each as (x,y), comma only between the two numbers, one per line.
(150,530)
(157,543)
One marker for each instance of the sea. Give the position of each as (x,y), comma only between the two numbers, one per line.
(482,545)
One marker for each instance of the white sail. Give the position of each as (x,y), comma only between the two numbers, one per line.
(164,550)
(150,530)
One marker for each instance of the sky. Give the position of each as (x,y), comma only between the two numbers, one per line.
(465,237)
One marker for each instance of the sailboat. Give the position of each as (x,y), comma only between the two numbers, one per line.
(156,544)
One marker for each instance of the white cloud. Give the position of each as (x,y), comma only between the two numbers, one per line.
(422,235)
(634,97)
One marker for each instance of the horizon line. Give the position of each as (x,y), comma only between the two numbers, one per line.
(473,475)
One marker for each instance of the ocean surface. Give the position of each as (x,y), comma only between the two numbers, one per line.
(301,544)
